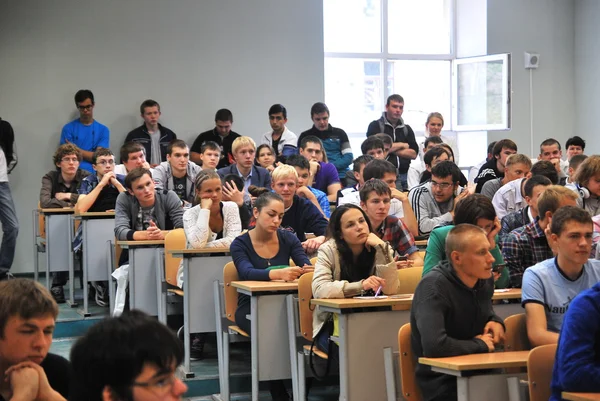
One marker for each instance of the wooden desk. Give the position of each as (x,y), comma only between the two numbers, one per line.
(457,365)
(581,396)
(59,249)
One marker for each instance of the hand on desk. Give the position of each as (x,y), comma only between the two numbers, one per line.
(154,233)
(373,283)
(487,339)
(494,330)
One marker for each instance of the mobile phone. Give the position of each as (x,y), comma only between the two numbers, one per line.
(401,257)
(498,268)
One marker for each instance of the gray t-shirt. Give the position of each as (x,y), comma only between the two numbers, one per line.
(145,215)
(490,188)
(155,150)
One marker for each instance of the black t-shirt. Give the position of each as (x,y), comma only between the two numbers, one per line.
(276,147)
(180,187)
(224,142)
(106,200)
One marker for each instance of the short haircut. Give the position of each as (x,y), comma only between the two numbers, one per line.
(129,148)
(372,142)
(545,168)
(377,169)
(237,180)
(472,208)
(435,114)
(148,103)
(575,141)
(458,238)
(135,175)
(26,299)
(298,161)
(205,175)
(518,158)
(360,161)
(576,161)
(101,152)
(210,145)
(283,171)
(588,169)
(266,198)
(310,139)
(394,98)
(176,143)
(550,199)
(567,214)
(533,182)
(490,148)
(278,108)
(503,143)
(374,185)
(318,108)
(114,352)
(64,150)
(223,115)
(550,142)
(387,140)
(241,141)
(83,94)
(445,169)
(254,190)
(432,139)
(434,153)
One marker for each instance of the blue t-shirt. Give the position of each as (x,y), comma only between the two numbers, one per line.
(86,137)
(545,284)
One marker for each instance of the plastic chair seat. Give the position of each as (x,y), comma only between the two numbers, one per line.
(239,331)
(316,351)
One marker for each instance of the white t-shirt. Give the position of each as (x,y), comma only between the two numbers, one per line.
(3,167)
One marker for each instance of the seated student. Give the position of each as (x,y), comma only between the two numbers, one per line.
(265,157)
(517,166)
(474,171)
(532,190)
(324,175)
(151,134)
(575,146)
(527,246)
(210,153)
(221,134)
(463,180)
(243,150)
(417,166)
(432,158)
(133,155)
(178,173)
(477,210)
(358,167)
(574,164)
(550,150)
(587,185)
(117,359)
(280,139)
(387,143)
(433,202)
(452,311)
(375,198)
(301,214)
(302,167)
(549,286)
(509,198)
(495,167)
(263,254)
(372,146)
(577,363)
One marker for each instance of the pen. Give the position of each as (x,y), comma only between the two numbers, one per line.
(378,291)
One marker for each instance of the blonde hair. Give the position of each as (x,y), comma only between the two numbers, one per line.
(518,158)
(435,114)
(589,168)
(242,141)
(284,171)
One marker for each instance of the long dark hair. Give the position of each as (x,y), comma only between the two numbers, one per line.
(7,141)
(351,270)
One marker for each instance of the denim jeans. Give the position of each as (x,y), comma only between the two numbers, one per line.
(10,228)
(402,182)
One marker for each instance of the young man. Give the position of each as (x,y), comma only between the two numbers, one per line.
(133,155)
(551,151)
(373,146)
(404,147)
(433,202)
(302,167)
(417,166)
(375,197)
(495,167)
(221,134)
(432,158)
(8,217)
(550,286)
(117,360)
(358,166)
(301,215)
(452,311)
(474,171)
(27,320)
(387,143)
(281,139)
(528,245)
(575,146)
(85,132)
(323,175)
(574,163)
(178,173)
(151,134)
(335,140)
(210,154)
(517,166)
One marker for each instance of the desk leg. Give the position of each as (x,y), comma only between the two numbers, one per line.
(111,284)
(186,320)
(48,248)
(490,387)
(84,269)
(71,301)
(131,277)
(291,315)
(254,345)
(343,346)
(36,262)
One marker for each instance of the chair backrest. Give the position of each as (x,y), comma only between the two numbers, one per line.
(230,274)
(409,279)
(516,333)
(539,368)
(175,239)
(410,390)
(313,261)
(422,254)
(306,312)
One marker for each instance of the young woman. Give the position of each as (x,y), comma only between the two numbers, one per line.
(265,157)
(433,127)
(353,261)
(587,184)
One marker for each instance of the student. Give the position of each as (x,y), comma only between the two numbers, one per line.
(517,166)
(375,198)
(324,175)
(550,150)
(178,173)
(261,254)
(432,158)
(266,157)
(133,155)
(387,143)
(404,148)
(154,137)
(452,311)
(85,132)
(117,359)
(587,185)
(528,245)
(574,164)
(281,139)
(577,363)
(210,153)
(474,171)
(302,167)
(335,140)
(27,320)
(433,129)
(549,286)
(495,167)
(373,146)
(301,214)
(463,180)
(8,217)
(417,166)
(575,146)
(221,134)
(347,195)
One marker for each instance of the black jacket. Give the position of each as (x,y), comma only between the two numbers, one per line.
(487,172)
(141,135)
(399,133)
(446,316)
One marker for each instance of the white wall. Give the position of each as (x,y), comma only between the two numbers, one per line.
(193,57)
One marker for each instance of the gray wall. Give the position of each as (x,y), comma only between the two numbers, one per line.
(193,57)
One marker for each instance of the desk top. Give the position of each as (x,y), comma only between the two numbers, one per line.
(95,214)
(265,286)
(421,242)
(349,303)
(57,210)
(581,396)
(493,360)
(512,293)
(189,253)
(133,244)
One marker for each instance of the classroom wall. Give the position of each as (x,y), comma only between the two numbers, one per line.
(193,57)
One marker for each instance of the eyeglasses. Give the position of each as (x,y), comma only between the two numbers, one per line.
(88,107)
(160,387)
(105,162)
(441,185)
(70,160)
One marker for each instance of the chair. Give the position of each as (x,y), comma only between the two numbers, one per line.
(167,274)
(409,279)
(313,261)
(539,367)
(516,333)
(410,390)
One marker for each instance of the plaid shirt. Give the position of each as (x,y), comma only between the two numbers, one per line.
(523,248)
(322,199)
(513,221)
(394,231)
